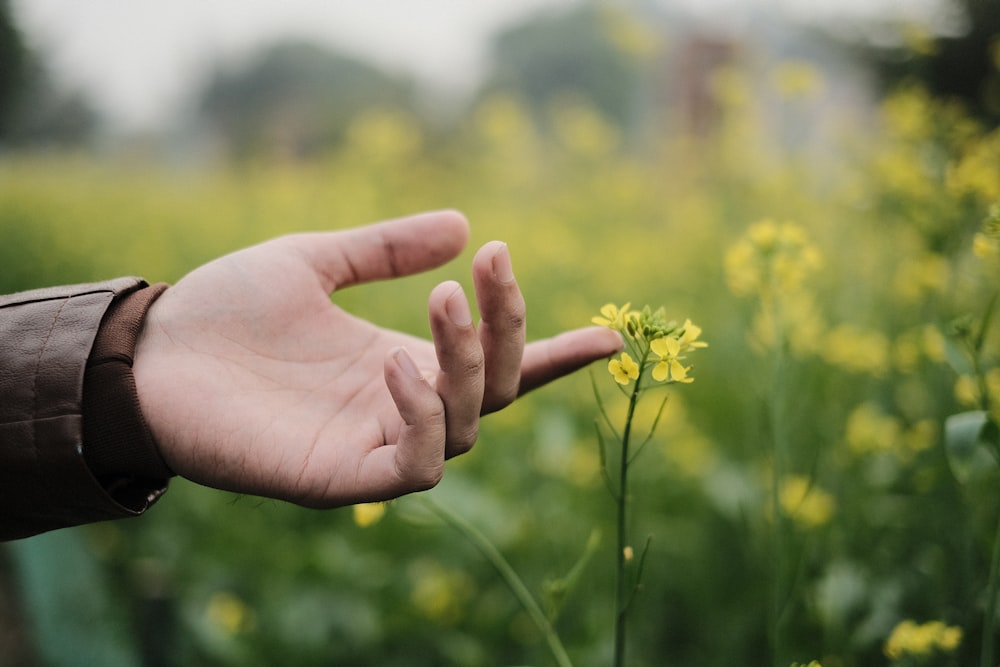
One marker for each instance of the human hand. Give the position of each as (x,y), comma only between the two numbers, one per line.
(251,380)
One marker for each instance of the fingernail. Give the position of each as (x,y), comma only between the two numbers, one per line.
(405,363)
(502,269)
(458,308)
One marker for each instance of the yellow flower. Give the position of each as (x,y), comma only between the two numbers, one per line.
(967,388)
(439,593)
(367,514)
(870,430)
(613,317)
(624,370)
(857,350)
(669,367)
(908,638)
(806,504)
(771,257)
(689,339)
(229,613)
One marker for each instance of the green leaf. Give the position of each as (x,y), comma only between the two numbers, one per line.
(556,591)
(957,353)
(971,438)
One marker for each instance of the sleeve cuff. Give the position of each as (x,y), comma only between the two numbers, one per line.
(118,446)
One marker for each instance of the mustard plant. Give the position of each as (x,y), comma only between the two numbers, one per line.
(654,356)
(773,263)
(972,438)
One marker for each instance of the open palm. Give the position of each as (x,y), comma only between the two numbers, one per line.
(253,381)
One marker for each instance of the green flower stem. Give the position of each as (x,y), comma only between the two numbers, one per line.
(510,577)
(780,540)
(989,614)
(622,593)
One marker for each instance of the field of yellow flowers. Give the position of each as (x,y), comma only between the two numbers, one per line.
(827,489)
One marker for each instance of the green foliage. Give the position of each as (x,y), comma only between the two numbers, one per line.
(844,365)
(972,446)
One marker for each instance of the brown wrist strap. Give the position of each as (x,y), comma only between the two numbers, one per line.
(117,442)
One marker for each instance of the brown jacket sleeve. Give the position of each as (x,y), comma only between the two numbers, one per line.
(68,456)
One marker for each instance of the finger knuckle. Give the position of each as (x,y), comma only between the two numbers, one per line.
(511,319)
(428,480)
(473,363)
(422,479)
(517,317)
(501,397)
(463,441)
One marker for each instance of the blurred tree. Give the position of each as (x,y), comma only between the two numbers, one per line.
(964,66)
(12,64)
(34,110)
(596,52)
(295,99)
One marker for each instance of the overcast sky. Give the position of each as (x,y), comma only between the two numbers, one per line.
(139,58)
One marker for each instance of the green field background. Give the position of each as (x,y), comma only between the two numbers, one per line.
(847,392)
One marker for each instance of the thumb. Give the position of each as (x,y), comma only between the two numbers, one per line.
(390,249)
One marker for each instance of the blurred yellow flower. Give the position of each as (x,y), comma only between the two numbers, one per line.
(977,171)
(903,172)
(909,638)
(439,593)
(624,370)
(797,79)
(908,113)
(367,514)
(934,344)
(628,33)
(906,352)
(920,437)
(857,350)
(870,430)
(986,242)
(806,504)
(983,246)
(582,130)
(730,87)
(967,390)
(504,123)
(229,613)
(918,276)
(771,257)
(386,135)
